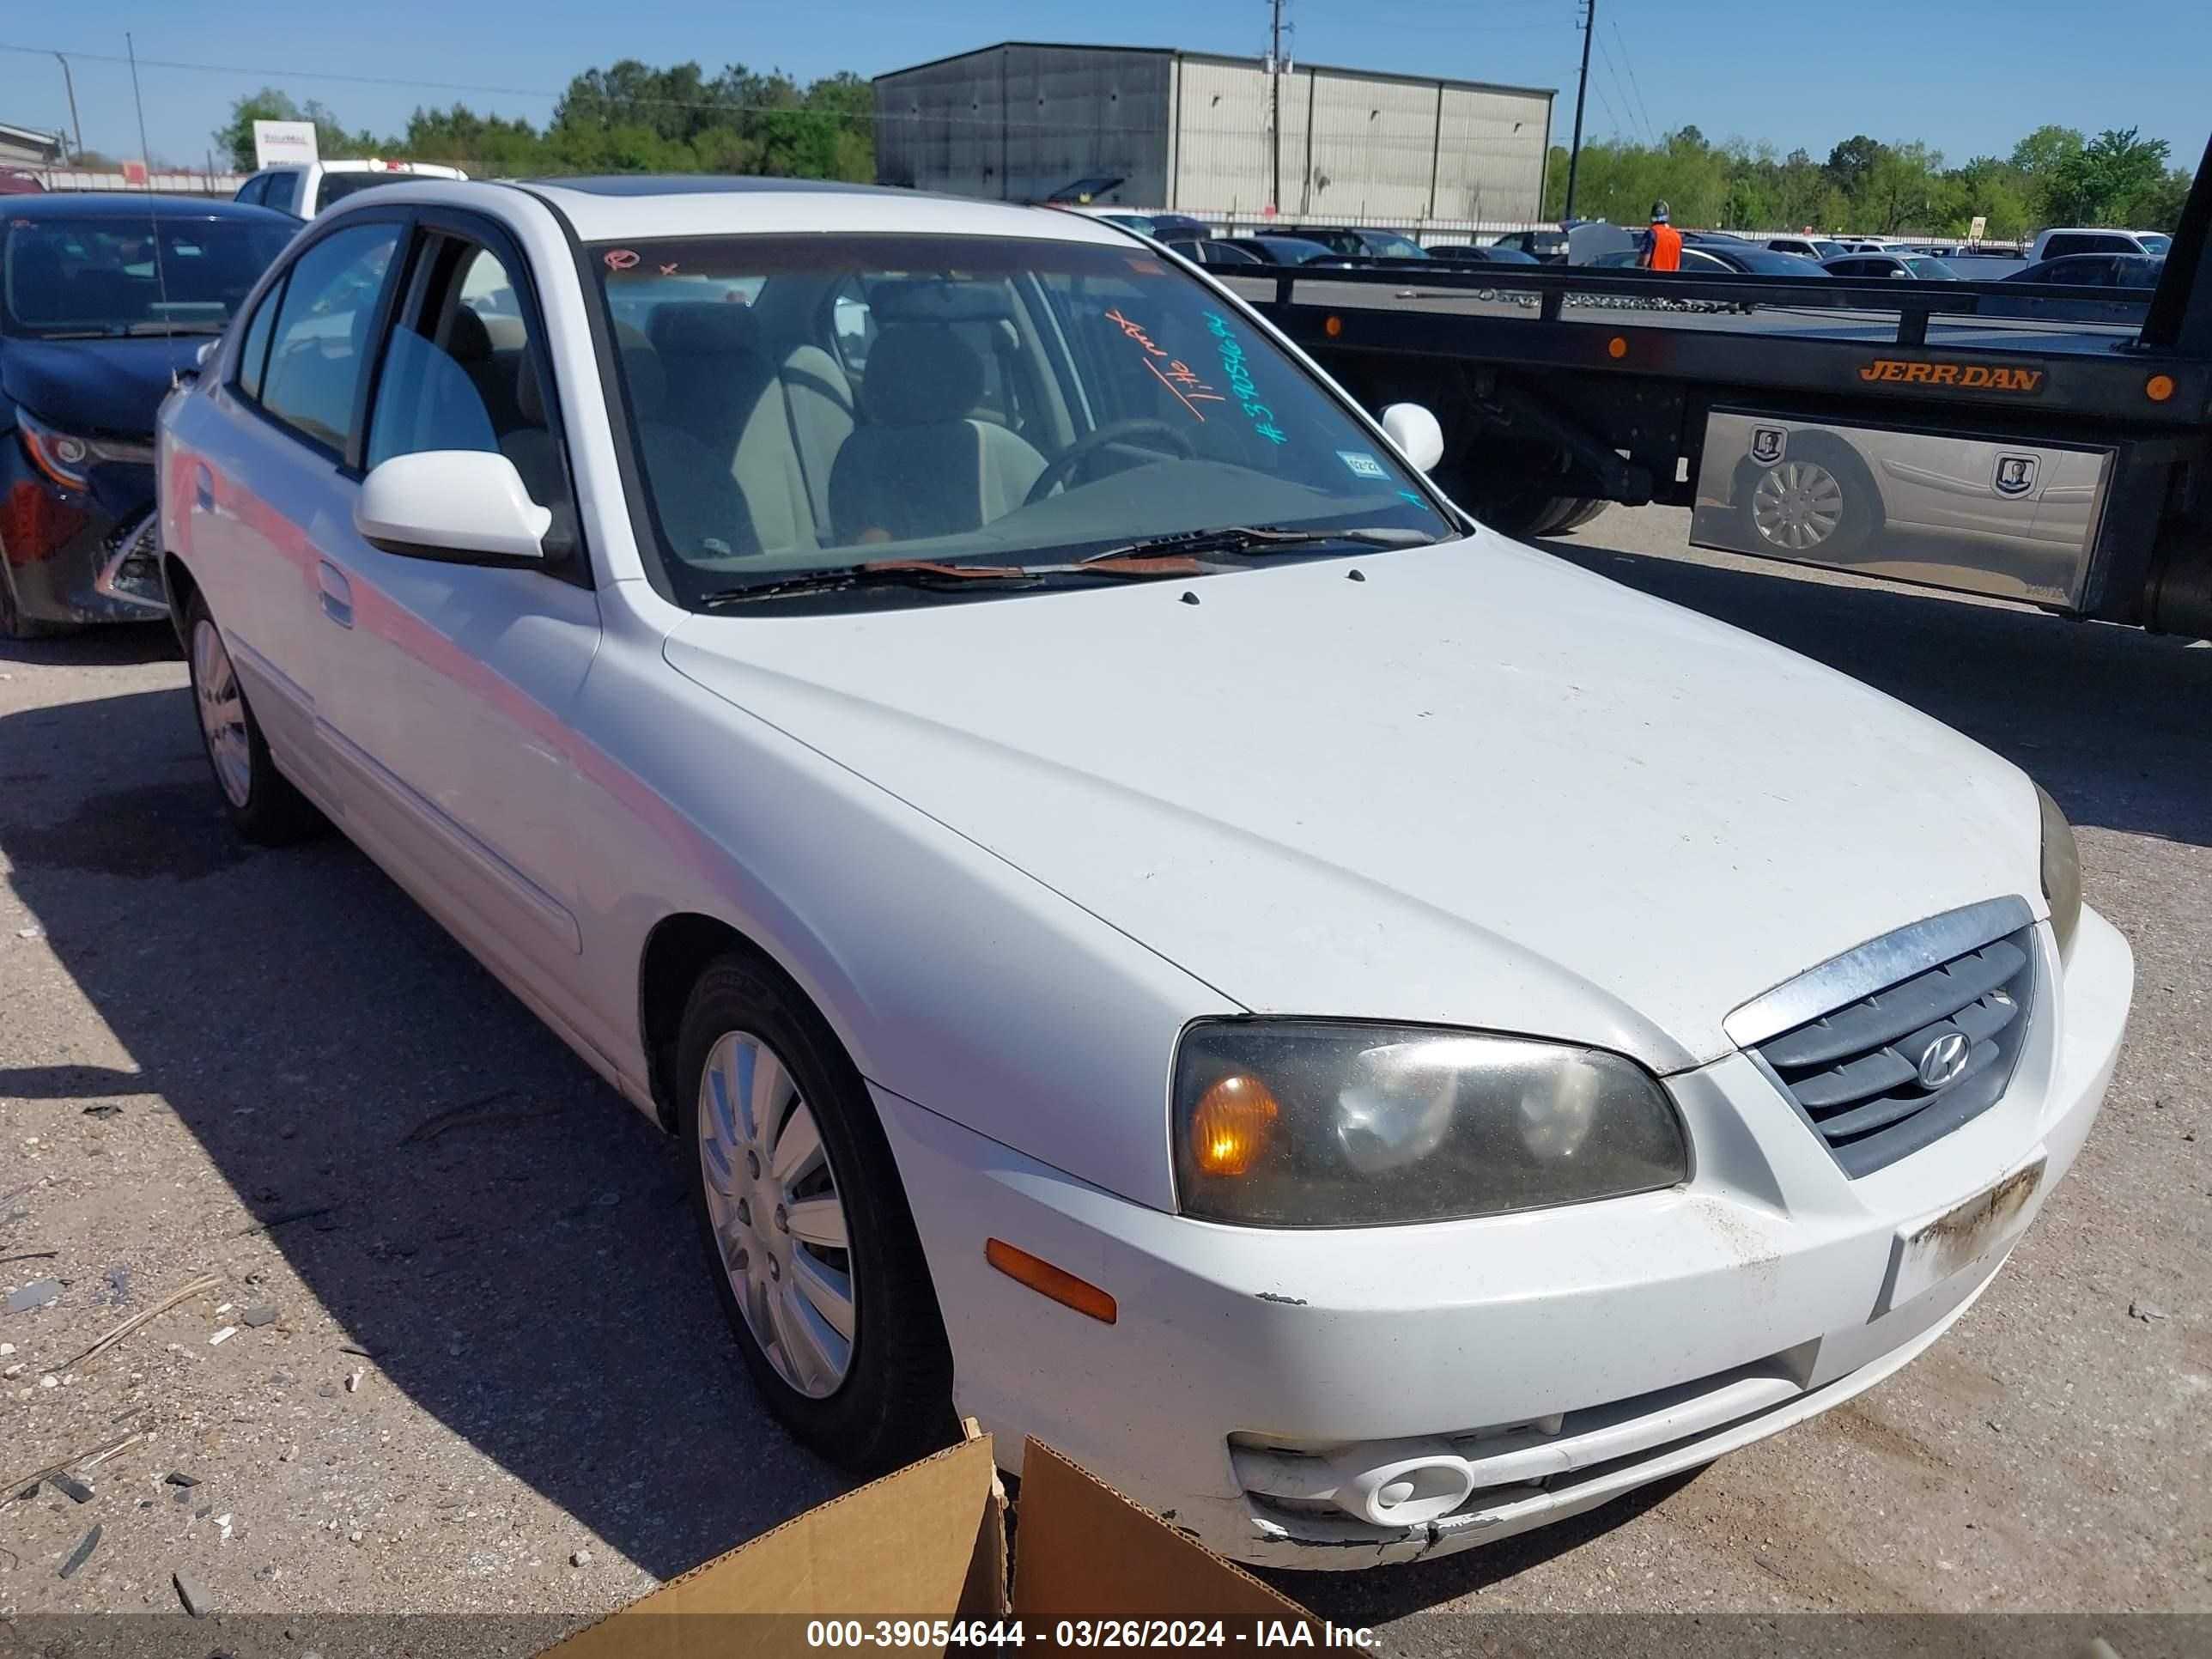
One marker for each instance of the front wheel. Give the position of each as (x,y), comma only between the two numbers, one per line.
(261,802)
(806,1225)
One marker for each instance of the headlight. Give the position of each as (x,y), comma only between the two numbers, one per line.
(61,456)
(2062,873)
(1312,1123)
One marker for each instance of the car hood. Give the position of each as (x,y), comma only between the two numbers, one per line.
(96,385)
(1479,786)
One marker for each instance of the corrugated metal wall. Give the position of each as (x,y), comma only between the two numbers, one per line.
(1489,157)
(1017,123)
(1223,148)
(1195,133)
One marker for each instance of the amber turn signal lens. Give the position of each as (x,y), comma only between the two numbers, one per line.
(1235,1121)
(1616,348)
(1041,1276)
(1333,327)
(2158,388)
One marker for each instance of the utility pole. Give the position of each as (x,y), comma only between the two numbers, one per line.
(69,81)
(1581,97)
(1275,105)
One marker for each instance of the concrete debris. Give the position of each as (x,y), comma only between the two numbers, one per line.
(2149,1312)
(38,1293)
(193,1593)
(81,1555)
(353,1382)
(580,1558)
(178,1477)
(256,1317)
(70,1487)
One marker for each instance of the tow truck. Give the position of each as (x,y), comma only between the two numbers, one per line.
(1974,437)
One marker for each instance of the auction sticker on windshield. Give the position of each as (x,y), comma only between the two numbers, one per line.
(1362,463)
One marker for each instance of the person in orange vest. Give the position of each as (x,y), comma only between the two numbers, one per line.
(1660,248)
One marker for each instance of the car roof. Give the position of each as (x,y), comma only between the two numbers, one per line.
(645,208)
(366,164)
(136,204)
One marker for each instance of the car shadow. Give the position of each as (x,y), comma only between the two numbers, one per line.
(112,644)
(2110,720)
(503,1237)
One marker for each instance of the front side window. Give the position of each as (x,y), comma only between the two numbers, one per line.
(319,347)
(1010,403)
(468,371)
(109,276)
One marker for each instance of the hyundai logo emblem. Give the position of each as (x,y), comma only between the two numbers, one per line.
(1941,1061)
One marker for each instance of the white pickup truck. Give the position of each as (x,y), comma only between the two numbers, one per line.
(2054,244)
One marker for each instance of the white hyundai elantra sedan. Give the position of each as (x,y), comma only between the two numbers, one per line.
(1154,929)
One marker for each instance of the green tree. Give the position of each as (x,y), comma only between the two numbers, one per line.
(2043,151)
(1850,162)
(2102,182)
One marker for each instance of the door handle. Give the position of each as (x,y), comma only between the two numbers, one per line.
(203,491)
(337,594)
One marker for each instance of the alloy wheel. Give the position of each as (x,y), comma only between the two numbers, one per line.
(223,714)
(1797,505)
(778,1218)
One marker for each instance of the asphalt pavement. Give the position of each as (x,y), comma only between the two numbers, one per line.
(473,1364)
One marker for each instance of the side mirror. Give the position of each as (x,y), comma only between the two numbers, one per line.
(206,351)
(1417,435)
(467,505)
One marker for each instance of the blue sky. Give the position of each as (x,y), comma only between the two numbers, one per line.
(1968,75)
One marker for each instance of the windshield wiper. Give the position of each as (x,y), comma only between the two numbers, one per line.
(134,330)
(932,576)
(1258,538)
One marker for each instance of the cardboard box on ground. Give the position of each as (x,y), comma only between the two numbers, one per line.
(931,1542)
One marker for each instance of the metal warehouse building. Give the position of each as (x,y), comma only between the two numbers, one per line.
(1194,132)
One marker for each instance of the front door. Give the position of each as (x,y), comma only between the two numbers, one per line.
(445,686)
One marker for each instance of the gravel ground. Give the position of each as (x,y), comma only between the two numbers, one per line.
(496,1380)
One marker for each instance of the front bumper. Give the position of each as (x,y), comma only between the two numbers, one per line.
(1561,1358)
(81,555)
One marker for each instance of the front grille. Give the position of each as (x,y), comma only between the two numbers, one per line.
(1898,1068)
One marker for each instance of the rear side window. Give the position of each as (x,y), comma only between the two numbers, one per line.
(252,190)
(253,354)
(320,344)
(2060,247)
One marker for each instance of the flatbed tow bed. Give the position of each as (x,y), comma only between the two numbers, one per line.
(2062,457)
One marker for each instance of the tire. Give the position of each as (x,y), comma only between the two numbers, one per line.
(260,801)
(14,624)
(1588,510)
(884,1397)
(1818,504)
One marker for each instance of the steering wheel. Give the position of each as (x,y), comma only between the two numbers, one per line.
(1113,432)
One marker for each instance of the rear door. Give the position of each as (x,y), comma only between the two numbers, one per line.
(445,686)
(267,471)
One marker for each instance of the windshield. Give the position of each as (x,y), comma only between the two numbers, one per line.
(2155,242)
(965,400)
(99,275)
(1389,245)
(1927,268)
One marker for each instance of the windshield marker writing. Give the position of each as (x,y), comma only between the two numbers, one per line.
(1240,381)
(1187,384)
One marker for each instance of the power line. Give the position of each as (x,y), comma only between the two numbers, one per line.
(1620,87)
(721,107)
(1632,82)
